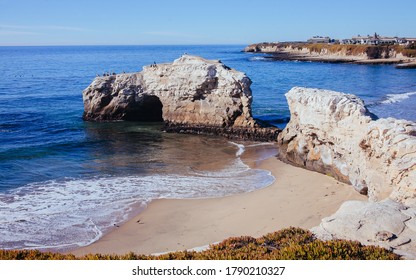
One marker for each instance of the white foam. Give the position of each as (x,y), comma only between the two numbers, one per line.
(260,144)
(241,148)
(257,58)
(76,212)
(394,98)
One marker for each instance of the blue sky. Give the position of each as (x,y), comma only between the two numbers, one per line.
(128,22)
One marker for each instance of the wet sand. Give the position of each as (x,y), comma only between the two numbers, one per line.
(298,198)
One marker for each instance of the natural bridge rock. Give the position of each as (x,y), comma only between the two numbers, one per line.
(189,95)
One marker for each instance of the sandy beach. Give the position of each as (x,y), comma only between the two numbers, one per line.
(298,198)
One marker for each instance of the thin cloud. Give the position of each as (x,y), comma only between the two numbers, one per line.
(11,32)
(30,28)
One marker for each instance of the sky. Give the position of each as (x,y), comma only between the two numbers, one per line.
(159,22)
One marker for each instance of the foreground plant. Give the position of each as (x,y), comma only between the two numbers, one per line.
(286,244)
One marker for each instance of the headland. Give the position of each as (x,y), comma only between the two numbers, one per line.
(402,56)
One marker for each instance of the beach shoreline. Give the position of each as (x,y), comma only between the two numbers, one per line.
(297,197)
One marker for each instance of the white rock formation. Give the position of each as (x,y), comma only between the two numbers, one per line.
(191,95)
(191,90)
(334,133)
(386,223)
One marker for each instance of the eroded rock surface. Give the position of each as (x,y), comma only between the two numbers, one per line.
(386,223)
(190,90)
(334,133)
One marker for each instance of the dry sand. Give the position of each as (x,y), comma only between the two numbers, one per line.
(298,198)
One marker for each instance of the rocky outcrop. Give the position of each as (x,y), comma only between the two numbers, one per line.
(263,48)
(334,133)
(361,54)
(268,134)
(191,90)
(388,224)
(189,93)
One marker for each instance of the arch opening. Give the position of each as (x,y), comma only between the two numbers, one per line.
(148,109)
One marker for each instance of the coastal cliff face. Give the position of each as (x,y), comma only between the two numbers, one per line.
(335,52)
(263,48)
(190,95)
(334,133)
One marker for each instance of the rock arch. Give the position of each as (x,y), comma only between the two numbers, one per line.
(190,95)
(191,91)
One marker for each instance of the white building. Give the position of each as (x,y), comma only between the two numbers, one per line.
(319,40)
(374,40)
(409,41)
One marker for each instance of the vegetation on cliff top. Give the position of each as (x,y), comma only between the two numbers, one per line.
(287,244)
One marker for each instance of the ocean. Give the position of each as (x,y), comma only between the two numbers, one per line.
(65,182)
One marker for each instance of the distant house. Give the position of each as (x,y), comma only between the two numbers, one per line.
(389,40)
(409,41)
(374,40)
(319,40)
(366,40)
(347,42)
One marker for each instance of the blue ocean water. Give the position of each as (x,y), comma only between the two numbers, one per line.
(63,181)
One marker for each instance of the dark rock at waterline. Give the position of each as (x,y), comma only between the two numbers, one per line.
(266,134)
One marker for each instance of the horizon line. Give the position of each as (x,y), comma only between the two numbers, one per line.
(121,45)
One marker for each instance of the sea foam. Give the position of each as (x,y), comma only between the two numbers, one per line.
(394,98)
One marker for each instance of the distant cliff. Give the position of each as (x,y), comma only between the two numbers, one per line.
(335,52)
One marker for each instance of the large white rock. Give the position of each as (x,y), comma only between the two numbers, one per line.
(191,91)
(386,223)
(334,133)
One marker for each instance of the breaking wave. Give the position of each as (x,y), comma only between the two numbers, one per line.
(257,58)
(394,98)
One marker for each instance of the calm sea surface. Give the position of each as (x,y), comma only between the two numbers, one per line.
(65,182)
